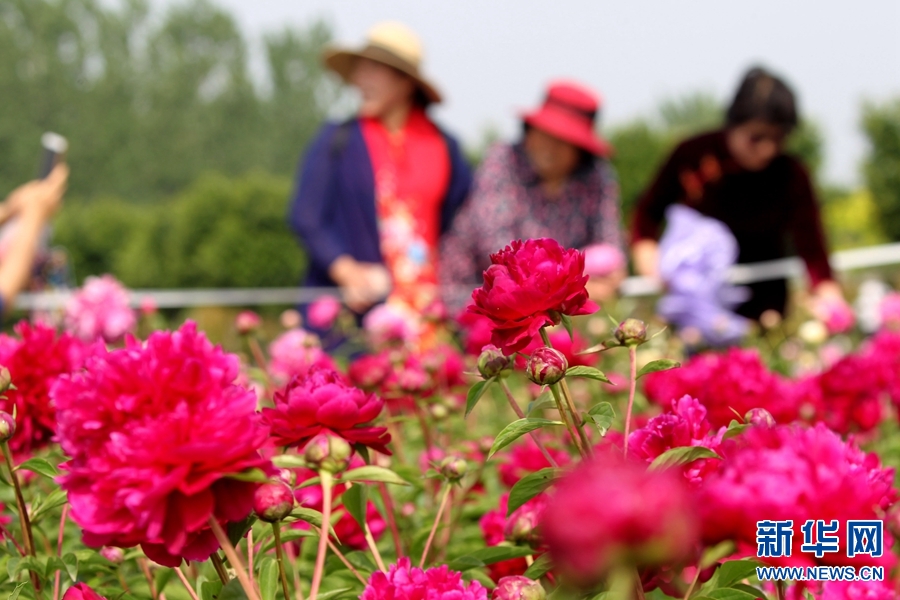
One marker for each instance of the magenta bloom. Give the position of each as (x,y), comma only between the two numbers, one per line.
(609,512)
(528,285)
(100,310)
(388,326)
(405,582)
(322,313)
(684,425)
(526,458)
(323,402)
(154,433)
(370,371)
(35,361)
(475,330)
(294,353)
(81,591)
(858,590)
(890,311)
(791,472)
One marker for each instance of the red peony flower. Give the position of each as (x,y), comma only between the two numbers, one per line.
(369,372)
(405,582)
(528,285)
(324,402)
(155,433)
(792,472)
(526,458)
(81,591)
(610,512)
(35,361)
(475,330)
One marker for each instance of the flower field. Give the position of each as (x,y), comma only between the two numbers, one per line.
(535,446)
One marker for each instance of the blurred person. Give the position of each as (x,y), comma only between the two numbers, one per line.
(741,176)
(32,205)
(554,182)
(376,193)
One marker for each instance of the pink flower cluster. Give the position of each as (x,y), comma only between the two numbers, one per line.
(294,353)
(154,433)
(100,310)
(497,528)
(405,582)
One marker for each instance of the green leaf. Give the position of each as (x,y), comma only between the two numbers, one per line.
(53,500)
(373,473)
(309,515)
(588,372)
(209,590)
(681,455)
(476,392)
(735,571)
(14,595)
(268,579)
(355,500)
(734,429)
(517,429)
(713,555)
(238,530)
(663,364)
(567,323)
(488,556)
(603,416)
(71,563)
(749,589)
(543,401)
(730,594)
(333,593)
(232,591)
(530,486)
(39,466)
(289,461)
(251,475)
(289,535)
(539,568)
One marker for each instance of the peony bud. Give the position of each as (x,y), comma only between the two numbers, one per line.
(328,453)
(546,366)
(631,332)
(517,587)
(291,319)
(492,362)
(521,527)
(5,379)
(273,501)
(113,554)
(7,426)
(759,416)
(438,412)
(247,322)
(288,477)
(453,468)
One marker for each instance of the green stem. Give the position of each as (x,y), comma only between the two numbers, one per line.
(576,418)
(279,554)
(437,519)
(632,360)
(220,568)
(563,413)
(24,521)
(233,558)
(327,481)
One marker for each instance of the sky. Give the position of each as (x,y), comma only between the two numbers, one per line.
(493,58)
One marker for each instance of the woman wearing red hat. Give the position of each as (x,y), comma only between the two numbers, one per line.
(556,182)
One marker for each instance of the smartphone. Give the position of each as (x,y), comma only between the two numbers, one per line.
(54,147)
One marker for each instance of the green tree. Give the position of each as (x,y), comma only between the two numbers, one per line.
(881,124)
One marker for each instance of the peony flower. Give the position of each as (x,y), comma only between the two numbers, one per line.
(35,361)
(526,458)
(369,372)
(155,433)
(475,330)
(792,472)
(403,581)
(889,311)
(602,259)
(493,524)
(323,402)
(609,512)
(388,325)
(528,286)
(845,396)
(569,346)
(858,590)
(294,353)
(81,591)
(100,310)
(323,312)
(247,321)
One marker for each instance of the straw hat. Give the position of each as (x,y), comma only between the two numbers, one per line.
(569,113)
(389,43)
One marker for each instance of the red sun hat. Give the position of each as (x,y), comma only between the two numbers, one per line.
(569,113)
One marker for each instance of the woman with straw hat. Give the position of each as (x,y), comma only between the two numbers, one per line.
(556,182)
(376,193)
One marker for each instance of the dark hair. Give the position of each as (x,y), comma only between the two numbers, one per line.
(763,96)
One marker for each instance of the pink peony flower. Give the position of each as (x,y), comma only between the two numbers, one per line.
(476,331)
(154,433)
(836,314)
(323,312)
(791,472)
(858,590)
(525,458)
(100,310)
(294,353)
(247,322)
(35,361)
(845,396)
(517,587)
(405,582)
(528,285)
(387,325)
(684,425)
(323,402)
(602,259)
(890,311)
(81,591)
(610,512)
(493,524)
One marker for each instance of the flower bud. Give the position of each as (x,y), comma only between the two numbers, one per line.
(273,501)
(759,416)
(521,527)
(546,366)
(517,587)
(288,477)
(5,379)
(113,554)
(453,468)
(291,319)
(492,362)
(631,332)
(7,426)
(438,412)
(247,322)
(328,453)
